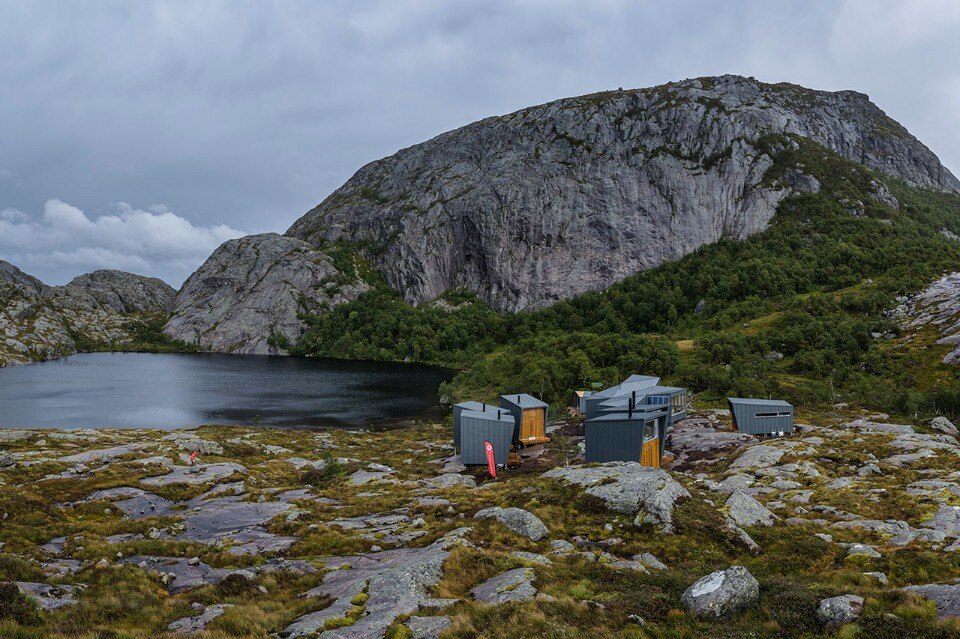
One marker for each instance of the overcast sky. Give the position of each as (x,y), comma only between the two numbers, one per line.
(140,135)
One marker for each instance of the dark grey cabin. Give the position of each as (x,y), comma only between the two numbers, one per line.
(630,436)
(477,427)
(761,416)
(458,410)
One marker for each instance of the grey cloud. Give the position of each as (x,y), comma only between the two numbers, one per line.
(248,114)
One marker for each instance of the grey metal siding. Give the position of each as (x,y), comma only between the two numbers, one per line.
(474,431)
(611,439)
(458,410)
(750,416)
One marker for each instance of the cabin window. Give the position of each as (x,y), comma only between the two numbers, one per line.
(678,402)
(780,414)
(657,400)
(649,429)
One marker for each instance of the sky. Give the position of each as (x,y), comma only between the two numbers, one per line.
(141,135)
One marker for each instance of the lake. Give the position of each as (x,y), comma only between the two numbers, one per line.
(141,390)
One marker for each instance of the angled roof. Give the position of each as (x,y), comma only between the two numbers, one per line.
(505,415)
(632,383)
(525,401)
(638,415)
(477,406)
(623,400)
(749,401)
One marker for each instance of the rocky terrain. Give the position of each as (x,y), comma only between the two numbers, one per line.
(247,297)
(850,526)
(555,200)
(39,322)
(936,308)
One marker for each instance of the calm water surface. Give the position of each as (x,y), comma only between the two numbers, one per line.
(121,390)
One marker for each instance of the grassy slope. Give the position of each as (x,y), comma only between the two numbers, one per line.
(813,287)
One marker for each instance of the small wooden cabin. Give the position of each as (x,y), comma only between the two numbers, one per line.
(633,436)
(761,416)
(530,415)
(476,427)
(458,410)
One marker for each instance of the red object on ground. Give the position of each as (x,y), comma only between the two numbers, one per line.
(491,462)
(193,456)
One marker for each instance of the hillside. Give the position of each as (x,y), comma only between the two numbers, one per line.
(103,310)
(525,210)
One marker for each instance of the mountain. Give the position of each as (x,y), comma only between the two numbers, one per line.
(102,309)
(527,209)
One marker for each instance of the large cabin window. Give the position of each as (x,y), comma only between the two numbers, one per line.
(678,402)
(779,414)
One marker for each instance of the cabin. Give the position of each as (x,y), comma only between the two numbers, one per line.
(530,415)
(631,436)
(672,396)
(477,427)
(579,400)
(761,416)
(624,389)
(458,410)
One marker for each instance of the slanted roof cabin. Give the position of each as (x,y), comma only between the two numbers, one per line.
(458,410)
(761,416)
(632,436)
(530,415)
(673,396)
(477,427)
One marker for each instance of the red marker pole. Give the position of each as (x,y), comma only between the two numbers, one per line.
(491,462)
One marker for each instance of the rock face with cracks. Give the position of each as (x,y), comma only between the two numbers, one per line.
(518,520)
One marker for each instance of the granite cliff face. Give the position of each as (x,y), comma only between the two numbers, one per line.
(555,200)
(574,195)
(39,322)
(247,296)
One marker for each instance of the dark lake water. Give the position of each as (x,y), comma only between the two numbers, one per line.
(120,390)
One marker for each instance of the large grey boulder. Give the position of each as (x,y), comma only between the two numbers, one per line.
(518,520)
(944,425)
(946,520)
(547,202)
(747,511)
(247,296)
(761,456)
(837,611)
(946,596)
(513,585)
(721,593)
(629,488)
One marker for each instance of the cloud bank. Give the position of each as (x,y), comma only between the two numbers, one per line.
(250,113)
(64,242)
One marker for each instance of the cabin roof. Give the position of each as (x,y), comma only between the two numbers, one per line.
(525,401)
(749,401)
(505,416)
(632,383)
(638,415)
(477,406)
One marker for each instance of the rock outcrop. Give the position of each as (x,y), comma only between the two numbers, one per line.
(247,296)
(937,306)
(39,322)
(722,593)
(573,195)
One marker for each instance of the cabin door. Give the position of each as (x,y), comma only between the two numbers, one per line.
(531,426)
(650,455)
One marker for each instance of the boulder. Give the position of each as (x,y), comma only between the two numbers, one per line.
(518,520)
(189,625)
(513,585)
(721,593)
(427,627)
(747,511)
(944,425)
(629,488)
(838,611)
(761,456)
(947,520)
(945,596)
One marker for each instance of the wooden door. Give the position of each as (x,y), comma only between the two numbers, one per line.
(650,455)
(532,426)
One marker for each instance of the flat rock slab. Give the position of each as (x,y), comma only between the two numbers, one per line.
(195,475)
(427,627)
(188,625)
(946,596)
(397,583)
(629,488)
(103,454)
(761,456)
(747,511)
(49,597)
(241,521)
(137,504)
(513,585)
(865,425)
(187,575)
(947,520)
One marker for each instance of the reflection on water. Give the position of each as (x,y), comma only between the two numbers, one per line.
(177,390)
